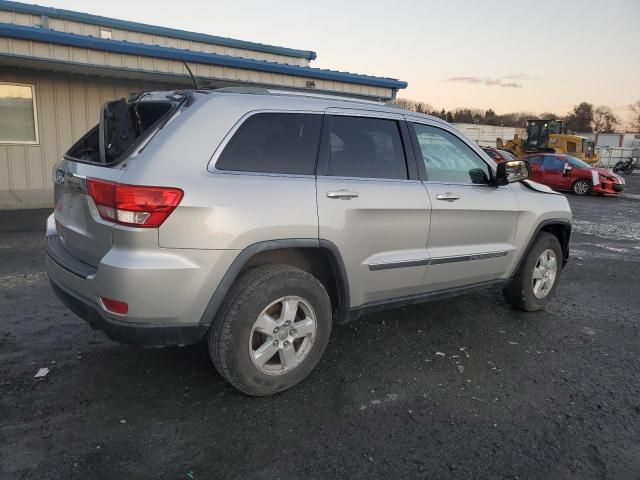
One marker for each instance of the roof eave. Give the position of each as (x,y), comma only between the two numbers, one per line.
(152,29)
(118,46)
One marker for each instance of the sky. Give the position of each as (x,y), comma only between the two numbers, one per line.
(509,55)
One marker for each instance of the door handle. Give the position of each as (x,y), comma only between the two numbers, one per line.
(342,194)
(448,197)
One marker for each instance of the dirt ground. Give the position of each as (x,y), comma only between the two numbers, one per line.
(551,395)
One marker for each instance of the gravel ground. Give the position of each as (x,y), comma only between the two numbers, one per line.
(464,388)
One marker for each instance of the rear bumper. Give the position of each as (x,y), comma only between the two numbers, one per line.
(166,290)
(148,335)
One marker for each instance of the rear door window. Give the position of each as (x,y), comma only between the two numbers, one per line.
(284,143)
(364,147)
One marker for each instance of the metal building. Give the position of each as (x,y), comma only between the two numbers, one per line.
(57,68)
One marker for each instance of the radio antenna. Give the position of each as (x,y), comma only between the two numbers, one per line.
(193,78)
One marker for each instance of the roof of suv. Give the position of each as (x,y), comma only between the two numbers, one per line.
(329,100)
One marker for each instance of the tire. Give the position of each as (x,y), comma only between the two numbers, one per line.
(581,187)
(236,337)
(520,293)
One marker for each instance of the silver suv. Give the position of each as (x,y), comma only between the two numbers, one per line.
(257,218)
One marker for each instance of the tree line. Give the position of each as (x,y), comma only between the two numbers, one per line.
(584,117)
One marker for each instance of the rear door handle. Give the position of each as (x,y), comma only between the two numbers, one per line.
(448,197)
(342,194)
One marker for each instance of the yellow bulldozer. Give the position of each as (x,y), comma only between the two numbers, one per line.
(549,136)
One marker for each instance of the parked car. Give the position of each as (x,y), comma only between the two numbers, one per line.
(564,172)
(258,218)
(499,155)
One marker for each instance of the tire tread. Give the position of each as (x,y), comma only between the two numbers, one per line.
(243,290)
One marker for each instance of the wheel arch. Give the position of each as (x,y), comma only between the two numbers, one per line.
(320,258)
(560,228)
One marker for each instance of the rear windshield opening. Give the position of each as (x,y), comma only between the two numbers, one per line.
(121,125)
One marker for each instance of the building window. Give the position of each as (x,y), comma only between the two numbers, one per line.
(105,34)
(18,114)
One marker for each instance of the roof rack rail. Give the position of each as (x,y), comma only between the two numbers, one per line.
(300,93)
(329,96)
(245,90)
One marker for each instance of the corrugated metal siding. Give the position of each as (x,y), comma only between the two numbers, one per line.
(67,107)
(137,37)
(156,65)
(486,135)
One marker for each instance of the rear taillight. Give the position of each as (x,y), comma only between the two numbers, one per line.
(133,205)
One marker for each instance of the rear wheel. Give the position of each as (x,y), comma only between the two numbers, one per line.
(536,280)
(581,187)
(272,329)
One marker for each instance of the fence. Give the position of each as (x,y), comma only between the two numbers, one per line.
(609,156)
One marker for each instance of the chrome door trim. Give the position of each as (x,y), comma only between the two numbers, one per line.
(399,264)
(437,260)
(466,258)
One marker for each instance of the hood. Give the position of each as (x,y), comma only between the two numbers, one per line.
(608,174)
(539,187)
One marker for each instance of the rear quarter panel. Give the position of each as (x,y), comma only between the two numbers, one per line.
(222,210)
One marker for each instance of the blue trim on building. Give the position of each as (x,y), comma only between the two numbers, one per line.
(151,29)
(117,46)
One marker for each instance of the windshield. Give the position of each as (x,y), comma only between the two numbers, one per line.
(555,127)
(587,146)
(576,162)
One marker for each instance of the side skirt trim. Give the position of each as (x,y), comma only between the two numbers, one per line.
(371,307)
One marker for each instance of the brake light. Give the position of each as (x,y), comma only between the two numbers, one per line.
(133,205)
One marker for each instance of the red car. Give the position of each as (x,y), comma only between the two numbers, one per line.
(564,172)
(498,155)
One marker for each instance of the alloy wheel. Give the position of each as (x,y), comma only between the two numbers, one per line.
(282,335)
(544,273)
(581,187)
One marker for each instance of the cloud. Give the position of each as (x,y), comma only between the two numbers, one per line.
(465,79)
(517,76)
(492,81)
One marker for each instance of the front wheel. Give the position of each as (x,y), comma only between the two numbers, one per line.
(272,329)
(581,187)
(536,280)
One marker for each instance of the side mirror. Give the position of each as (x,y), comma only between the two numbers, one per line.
(567,169)
(512,171)
(478,176)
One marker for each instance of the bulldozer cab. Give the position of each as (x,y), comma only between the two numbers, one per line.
(538,132)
